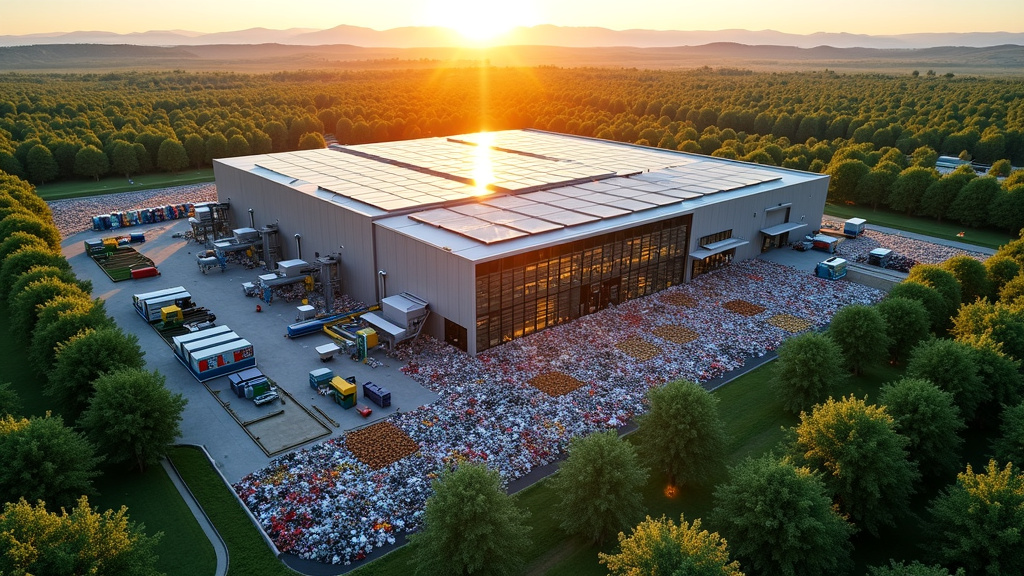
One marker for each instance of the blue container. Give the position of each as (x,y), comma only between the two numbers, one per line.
(145,216)
(137,238)
(106,221)
(115,220)
(97,223)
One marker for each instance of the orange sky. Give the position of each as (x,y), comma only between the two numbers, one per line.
(483,18)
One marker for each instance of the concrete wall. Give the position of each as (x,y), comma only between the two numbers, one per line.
(447,282)
(325,227)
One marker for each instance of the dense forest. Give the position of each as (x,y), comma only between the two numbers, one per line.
(877,135)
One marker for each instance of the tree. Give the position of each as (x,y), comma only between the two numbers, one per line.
(171,156)
(216,147)
(91,162)
(23,260)
(846,175)
(23,306)
(915,568)
(44,460)
(195,149)
(10,402)
(861,458)
(18,240)
(471,525)
(34,225)
(943,281)
(83,358)
(312,141)
(978,523)
(681,434)
(41,165)
(909,188)
(1001,167)
(1000,269)
(942,193)
(1009,447)
(133,417)
(808,366)
(600,486)
(999,373)
(950,365)
(1012,291)
(971,205)
(82,542)
(59,320)
(238,146)
(123,159)
(906,324)
(781,521)
(874,187)
(859,330)
(926,416)
(971,275)
(662,547)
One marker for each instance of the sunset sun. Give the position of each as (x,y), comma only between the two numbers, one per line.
(477,21)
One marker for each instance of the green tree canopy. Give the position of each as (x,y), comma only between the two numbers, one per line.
(906,324)
(1000,269)
(682,434)
(171,156)
(846,175)
(10,402)
(915,568)
(860,331)
(80,542)
(1009,447)
(951,366)
(943,281)
(663,547)
(23,306)
(83,358)
(978,523)
(18,240)
(91,162)
(809,366)
(972,203)
(600,486)
(133,417)
(999,323)
(311,141)
(927,416)
(59,320)
(124,160)
(909,188)
(471,525)
(41,165)
(862,459)
(34,225)
(44,460)
(195,149)
(971,275)
(23,260)
(781,521)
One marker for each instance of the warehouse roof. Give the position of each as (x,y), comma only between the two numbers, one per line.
(499,187)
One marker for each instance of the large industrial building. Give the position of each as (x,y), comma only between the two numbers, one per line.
(507,233)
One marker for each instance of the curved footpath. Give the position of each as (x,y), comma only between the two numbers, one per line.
(219,547)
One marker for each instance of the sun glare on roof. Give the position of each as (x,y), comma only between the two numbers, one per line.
(483,170)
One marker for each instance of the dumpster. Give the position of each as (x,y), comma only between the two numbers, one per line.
(320,378)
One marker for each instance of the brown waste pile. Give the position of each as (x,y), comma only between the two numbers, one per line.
(380,445)
(677,334)
(743,307)
(554,383)
(789,323)
(639,348)
(680,299)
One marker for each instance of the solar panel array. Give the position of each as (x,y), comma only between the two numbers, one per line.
(538,181)
(372,182)
(498,218)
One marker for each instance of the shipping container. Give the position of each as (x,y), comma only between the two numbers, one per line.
(138,299)
(177,342)
(151,306)
(210,363)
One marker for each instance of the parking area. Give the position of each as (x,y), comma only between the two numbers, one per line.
(241,436)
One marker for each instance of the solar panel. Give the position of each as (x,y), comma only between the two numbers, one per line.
(568,218)
(492,234)
(534,225)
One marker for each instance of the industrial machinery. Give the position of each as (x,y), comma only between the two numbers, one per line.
(402,318)
(833,269)
(209,259)
(825,243)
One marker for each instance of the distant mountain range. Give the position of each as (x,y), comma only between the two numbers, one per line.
(543,35)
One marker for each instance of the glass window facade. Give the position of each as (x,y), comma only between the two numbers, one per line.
(715,261)
(521,294)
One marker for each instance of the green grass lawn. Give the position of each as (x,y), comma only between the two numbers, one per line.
(921,225)
(151,498)
(249,553)
(111,184)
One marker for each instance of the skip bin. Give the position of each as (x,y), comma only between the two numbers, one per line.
(344,392)
(321,377)
(379,395)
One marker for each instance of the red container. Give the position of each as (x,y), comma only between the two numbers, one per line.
(145,272)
